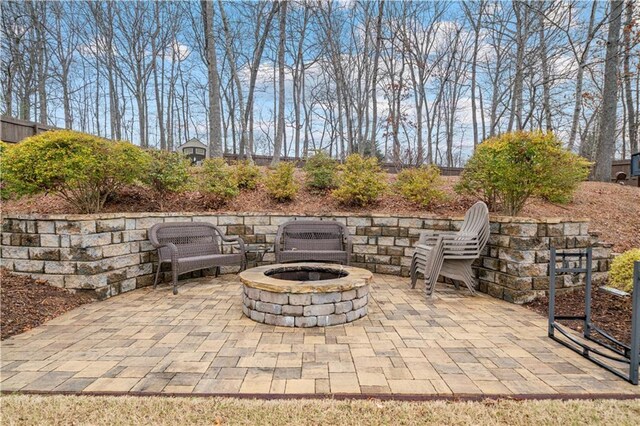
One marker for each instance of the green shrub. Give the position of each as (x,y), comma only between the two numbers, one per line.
(621,272)
(168,172)
(83,169)
(510,168)
(361,181)
(246,174)
(281,184)
(5,188)
(218,182)
(420,185)
(321,171)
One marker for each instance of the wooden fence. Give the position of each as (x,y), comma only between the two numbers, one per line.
(265,160)
(624,166)
(13,130)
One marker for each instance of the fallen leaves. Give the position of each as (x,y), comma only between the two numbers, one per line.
(27,303)
(609,313)
(614,209)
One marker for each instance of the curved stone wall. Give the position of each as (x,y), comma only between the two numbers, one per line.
(110,253)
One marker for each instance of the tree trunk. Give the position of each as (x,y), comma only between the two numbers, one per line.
(257,56)
(156,85)
(374,83)
(474,64)
(236,77)
(298,81)
(279,138)
(215,136)
(582,65)
(607,133)
(631,113)
(39,20)
(517,101)
(544,63)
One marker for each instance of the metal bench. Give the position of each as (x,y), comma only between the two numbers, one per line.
(191,246)
(313,241)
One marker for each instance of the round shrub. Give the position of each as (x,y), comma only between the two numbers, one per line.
(508,169)
(83,169)
(281,184)
(168,172)
(420,185)
(218,182)
(320,171)
(246,174)
(361,182)
(621,271)
(5,189)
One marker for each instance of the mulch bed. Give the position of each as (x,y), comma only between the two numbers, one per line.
(26,303)
(612,208)
(610,313)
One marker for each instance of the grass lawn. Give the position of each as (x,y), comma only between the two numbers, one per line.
(79,410)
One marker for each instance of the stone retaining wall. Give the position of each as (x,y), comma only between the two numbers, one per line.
(110,253)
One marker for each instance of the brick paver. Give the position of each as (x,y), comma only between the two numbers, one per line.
(200,342)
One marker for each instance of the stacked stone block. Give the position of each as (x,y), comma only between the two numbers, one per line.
(110,253)
(305,309)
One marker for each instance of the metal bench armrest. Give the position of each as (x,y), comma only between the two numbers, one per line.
(235,239)
(172,249)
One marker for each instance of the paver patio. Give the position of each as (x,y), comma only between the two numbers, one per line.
(200,342)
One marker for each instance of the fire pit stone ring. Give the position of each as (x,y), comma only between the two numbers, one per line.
(305,294)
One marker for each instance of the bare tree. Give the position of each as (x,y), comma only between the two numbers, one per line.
(261,38)
(215,135)
(626,77)
(607,134)
(279,138)
(544,64)
(374,81)
(432,78)
(582,65)
(522,33)
(475,19)
(228,45)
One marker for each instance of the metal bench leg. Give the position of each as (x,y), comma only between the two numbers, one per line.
(155,282)
(174,270)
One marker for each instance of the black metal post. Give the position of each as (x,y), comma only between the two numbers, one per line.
(635,326)
(552,291)
(587,291)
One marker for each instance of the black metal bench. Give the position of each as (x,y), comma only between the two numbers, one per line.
(191,246)
(313,241)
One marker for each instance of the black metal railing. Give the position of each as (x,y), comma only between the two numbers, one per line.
(606,346)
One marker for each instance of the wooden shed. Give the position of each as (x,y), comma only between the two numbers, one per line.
(195,150)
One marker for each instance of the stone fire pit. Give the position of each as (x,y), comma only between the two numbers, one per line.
(305,294)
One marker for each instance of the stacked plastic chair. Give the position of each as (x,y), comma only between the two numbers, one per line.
(450,254)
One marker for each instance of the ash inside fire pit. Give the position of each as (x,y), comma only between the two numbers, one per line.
(305,273)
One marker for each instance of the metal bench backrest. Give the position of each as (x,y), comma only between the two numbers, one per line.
(314,235)
(191,238)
